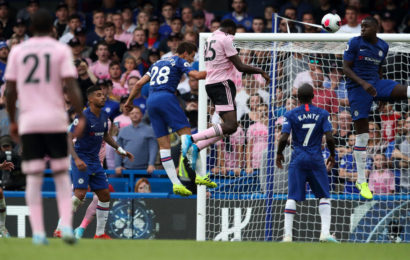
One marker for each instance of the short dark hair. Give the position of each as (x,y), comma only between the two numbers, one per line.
(74,16)
(228,23)
(352,8)
(176,18)
(113,63)
(371,19)
(260,18)
(92,89)
(98,11)
(101,43)
(108,25)
(186,47)
(41,21)
(248,101)
(305,93)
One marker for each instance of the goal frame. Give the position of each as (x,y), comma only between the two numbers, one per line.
(269,37)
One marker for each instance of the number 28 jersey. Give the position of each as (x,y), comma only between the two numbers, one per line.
(38,66)
(307,123)
(218,48)
(166,74)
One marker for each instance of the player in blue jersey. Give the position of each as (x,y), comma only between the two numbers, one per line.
(308,124)
(362,64)
(164,109)
(87,170)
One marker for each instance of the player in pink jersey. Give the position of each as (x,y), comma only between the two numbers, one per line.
(221,59)
(36,72)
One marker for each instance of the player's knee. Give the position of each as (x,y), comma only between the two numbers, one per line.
(80,194)
(104,196)
(230,127)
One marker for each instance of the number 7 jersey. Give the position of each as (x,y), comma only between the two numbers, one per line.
(218,48)
(307,124)
(38,66)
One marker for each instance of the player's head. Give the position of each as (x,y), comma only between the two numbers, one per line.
(96,96)
(228,26)
(187,50)
(369,27)
(41,22)
(305,94)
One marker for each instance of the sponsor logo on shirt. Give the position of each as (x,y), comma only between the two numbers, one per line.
(369,59)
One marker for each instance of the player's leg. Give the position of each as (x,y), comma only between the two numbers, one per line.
(400,92)
(103,209)
(88,217)
(3,230)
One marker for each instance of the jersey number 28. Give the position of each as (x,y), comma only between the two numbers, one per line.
(159,76)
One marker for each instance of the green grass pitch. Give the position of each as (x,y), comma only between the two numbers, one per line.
(88,249)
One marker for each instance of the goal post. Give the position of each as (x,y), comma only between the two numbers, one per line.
(249,201)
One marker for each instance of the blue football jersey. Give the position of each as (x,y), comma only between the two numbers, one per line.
(89,144)
(166,74)
(366,57)
(307,123)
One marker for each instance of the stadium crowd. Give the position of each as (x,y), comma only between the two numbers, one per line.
(114,44)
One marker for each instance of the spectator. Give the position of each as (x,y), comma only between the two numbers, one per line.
(215,24)
(19,30)
(191,103)
(76,48)
(307,76)
(80,34)
(128,25)
(5,19)
(11,179)
(257,139)
(388,23)
(286,26)
(325,7)
(31,8)
(62,19)
(198,5)
(130,70)
(389,119)
(402,156)
(4,53)
(360,15)
(351,26)
(142,20)
(251,117)
(324,98)
(290,12)
(192,37)
(146,142)
(199,22)
(97,34)
(268,13)
(309,18)
(115,76)
(230,153)
(347,168)
(344,129)
(111,107)
(176,26)
(300,6)
(120,34)
(187,18)
(337,83)
(85,77)
(100,68)
(240,29)
(116,48)
(378,18)
(239,15)
(153,56)
(376,143)
(381,179)
(153,40)
(258,25)
(74,21)
(123,120)
(137,52)
(142,186)
(396,12)
(280,103)
(167,12)
(173,41)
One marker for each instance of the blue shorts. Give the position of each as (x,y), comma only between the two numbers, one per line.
(94,176)
(165,111)
(307,168)
(360,101)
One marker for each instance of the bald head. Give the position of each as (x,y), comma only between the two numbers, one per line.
(305,93)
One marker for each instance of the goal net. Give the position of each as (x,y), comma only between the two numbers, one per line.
(248,203)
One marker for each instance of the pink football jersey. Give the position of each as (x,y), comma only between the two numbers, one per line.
(38,66)
(218,48)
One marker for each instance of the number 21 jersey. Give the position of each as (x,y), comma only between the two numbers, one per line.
(218,48)
(38,66)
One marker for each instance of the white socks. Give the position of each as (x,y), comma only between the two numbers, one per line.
(290,211)
(324,212)
(2,213)
(103,208)
(408,91)
(169,165)
(359,152)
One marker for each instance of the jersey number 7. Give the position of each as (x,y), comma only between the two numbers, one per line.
(310,128)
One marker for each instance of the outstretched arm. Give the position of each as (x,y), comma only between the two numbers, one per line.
(136,90)
(109,140)
(197,74)
(239,65)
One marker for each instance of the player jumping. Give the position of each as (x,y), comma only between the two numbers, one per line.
(221,59)
(307,123)
(362,64)
(163,107)
(85,163)
(35,73)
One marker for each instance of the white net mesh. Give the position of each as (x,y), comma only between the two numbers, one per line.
(249,201)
